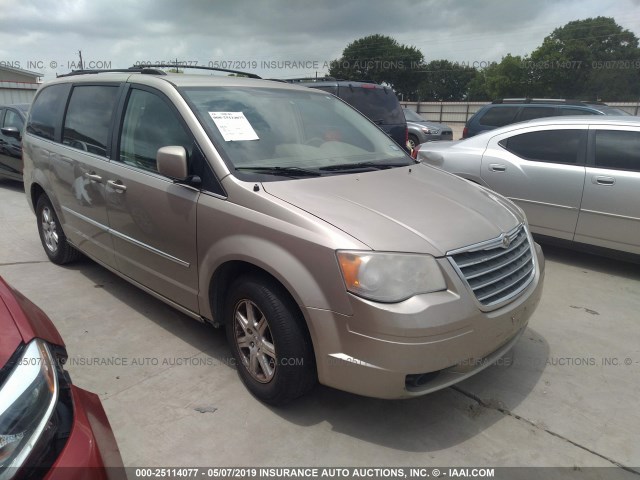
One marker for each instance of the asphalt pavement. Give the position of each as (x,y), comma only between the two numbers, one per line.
(567,396)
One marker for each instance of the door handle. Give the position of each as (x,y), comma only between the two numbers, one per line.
(496,167)
(600,180)
(93,176)
(117,185)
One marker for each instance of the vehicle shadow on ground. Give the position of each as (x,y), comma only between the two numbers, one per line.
(432,422)
(628,266)
(12,185)
(425,424)
(203,337)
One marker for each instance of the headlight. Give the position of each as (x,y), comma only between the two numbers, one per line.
(431,131)
(389,277)
(27,400)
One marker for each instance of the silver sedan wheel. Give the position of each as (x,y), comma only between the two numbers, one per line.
(49,230)
(254,341)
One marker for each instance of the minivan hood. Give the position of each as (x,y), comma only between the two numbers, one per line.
(417,209)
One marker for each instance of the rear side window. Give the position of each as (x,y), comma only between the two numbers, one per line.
(529,113)
(577,111)
(498,116)
(47,110)
(553,146)
(86,125)
(380,105)
(618,149)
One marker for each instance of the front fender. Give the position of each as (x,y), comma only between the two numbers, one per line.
(310,273)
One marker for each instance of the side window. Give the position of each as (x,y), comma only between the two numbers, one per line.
(47,110)
(576,111)
(149,124)
(12,119)
(553,146)
(529,113)
(618,149)
(498,116)
(86,125)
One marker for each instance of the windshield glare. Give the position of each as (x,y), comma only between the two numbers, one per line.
(412,116)
(270,127)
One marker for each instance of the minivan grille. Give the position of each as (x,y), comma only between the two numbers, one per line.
(496,273)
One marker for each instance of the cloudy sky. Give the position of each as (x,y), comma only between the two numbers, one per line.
(261,36)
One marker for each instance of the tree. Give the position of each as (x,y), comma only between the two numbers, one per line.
(380,59)
(445,81)
(509,78)
(588,59)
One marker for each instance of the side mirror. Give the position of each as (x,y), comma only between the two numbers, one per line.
(172,162)
(12,132)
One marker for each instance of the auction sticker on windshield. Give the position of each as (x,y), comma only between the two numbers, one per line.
(234,126)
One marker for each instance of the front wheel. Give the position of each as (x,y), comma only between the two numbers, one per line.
(269,341)
(52,237)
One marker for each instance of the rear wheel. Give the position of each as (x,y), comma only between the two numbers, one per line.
(269,341)
(413,141)
(52,237)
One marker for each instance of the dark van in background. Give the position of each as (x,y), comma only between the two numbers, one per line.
(376,102)
(512,110)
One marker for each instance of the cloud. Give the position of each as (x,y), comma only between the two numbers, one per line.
(123,32)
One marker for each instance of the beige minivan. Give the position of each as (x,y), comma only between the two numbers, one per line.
(284,215)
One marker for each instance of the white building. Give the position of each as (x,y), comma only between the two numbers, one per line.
(18,85)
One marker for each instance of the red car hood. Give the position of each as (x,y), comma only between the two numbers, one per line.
(20,322)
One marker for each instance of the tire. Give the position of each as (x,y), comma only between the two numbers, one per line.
(53,239)
(271,347)
(413,141)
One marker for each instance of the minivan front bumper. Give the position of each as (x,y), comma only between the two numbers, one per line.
(421,345)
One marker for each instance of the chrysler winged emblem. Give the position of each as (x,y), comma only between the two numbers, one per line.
(506,241)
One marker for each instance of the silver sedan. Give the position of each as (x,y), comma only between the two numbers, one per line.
(576,178)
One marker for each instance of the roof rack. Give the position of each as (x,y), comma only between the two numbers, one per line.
(547,100)
(177,65)
(142,70)
(322,79)
(155,70)
(310,79)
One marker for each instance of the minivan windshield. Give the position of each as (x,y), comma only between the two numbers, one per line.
(279,133)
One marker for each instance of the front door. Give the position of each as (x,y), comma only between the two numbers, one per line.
(543,172)
(153,219)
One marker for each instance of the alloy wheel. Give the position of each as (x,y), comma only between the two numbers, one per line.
(49,230)
(254,341)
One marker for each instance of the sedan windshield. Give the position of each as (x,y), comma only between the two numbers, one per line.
(278,133)
(612,111)
(412,116)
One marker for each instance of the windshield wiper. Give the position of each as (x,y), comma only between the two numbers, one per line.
(361,165)
(283,171)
